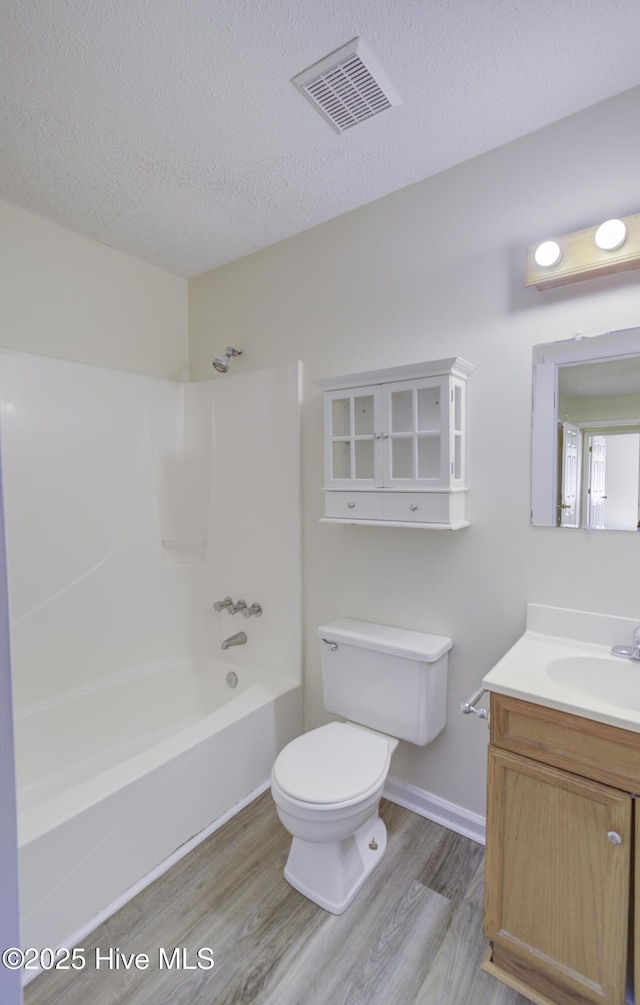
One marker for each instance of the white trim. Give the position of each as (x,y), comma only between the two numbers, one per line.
(547,359)
(159,870)
(425,804)
(396,523)
(433,368)
(544,446)
(588,348)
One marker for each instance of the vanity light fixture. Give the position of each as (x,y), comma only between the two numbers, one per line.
(548,253)
(613,246)
(611,235)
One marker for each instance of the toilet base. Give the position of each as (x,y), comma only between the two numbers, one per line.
(331,873)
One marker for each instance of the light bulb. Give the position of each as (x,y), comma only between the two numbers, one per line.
(548,253)
(611,235)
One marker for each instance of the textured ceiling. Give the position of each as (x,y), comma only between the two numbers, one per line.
(170,129)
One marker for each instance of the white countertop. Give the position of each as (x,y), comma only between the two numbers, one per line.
(608,692)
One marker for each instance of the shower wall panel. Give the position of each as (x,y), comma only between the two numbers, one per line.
(131,504)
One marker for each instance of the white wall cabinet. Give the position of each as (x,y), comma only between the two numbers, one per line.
(395,445)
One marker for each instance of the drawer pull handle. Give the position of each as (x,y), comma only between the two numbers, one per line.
(614,838)
(413,507)
(351,505)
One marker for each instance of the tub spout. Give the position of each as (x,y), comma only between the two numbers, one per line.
(239,639)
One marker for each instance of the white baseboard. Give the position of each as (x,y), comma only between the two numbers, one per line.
(457,819)
(78,937)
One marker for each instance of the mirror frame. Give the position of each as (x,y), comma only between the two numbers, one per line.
(547,358)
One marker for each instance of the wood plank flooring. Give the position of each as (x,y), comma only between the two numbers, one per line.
(413,935)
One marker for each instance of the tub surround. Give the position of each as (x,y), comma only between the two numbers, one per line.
(120,536)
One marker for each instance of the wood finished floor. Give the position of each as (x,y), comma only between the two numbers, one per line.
(413,935)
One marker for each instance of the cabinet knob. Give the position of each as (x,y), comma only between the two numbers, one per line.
(614,838)
(351,505)
(413,507)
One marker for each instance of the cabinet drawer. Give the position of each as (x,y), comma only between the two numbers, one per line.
(418,507)
(353,505)
(588,748)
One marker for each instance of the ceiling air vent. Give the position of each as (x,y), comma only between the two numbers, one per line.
(347,86)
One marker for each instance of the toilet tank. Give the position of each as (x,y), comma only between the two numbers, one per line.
(389,679)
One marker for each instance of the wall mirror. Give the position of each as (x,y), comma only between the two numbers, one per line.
(585,456)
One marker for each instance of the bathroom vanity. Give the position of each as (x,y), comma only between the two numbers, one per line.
(395,446)
(562,882)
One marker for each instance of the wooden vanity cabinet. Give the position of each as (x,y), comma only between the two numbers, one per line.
(559,857)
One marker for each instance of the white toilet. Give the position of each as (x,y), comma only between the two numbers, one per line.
(391,684)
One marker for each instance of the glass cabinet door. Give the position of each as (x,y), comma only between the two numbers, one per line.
(352,419)
(416,414)
(458,421)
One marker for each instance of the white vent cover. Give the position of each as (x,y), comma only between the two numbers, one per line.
(348,86)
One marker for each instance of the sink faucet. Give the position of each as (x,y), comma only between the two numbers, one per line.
(632,652)
(239,639)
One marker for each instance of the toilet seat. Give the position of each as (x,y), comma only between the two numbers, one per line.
(336,763)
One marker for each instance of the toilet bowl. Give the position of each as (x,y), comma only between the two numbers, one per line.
(327,785)
(390,684)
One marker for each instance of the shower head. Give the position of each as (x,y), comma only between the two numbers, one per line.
(221,363)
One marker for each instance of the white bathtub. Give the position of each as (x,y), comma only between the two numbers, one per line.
(112,780)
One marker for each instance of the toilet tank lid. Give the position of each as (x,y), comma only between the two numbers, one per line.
(385,639)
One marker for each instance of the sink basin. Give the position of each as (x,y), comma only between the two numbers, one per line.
(613,680)
(564,661)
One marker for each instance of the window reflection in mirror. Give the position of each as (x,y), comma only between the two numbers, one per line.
(586,433)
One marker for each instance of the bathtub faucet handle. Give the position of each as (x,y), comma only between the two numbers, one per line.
(239,606)
(221,604)
(249,612)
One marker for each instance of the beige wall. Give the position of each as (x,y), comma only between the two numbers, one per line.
(65,295)
(431,271)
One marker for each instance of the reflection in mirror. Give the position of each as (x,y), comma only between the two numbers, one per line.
(586,433)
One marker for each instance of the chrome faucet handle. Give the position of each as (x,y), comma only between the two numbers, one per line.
(255,609)
(221,604)
(240,605)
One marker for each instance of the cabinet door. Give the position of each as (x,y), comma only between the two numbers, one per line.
(416,434)
(353,438)
(556,884)
(636,910)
